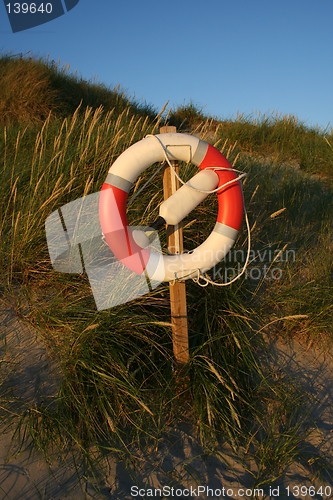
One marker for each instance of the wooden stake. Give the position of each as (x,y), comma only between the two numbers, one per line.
(178,289)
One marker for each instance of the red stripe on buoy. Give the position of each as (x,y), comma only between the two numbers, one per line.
(114,224)
(230,199)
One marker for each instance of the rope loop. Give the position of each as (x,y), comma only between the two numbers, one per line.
(211,282)
(197,279)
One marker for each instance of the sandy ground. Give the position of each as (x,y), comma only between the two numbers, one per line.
(28,376)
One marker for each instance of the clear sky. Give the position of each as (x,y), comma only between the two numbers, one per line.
(226,56)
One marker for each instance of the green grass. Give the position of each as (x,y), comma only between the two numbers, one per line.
(119,388)
(273,138)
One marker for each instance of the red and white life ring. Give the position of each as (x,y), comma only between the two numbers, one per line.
(113,199)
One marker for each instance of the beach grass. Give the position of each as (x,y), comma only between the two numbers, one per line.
(119,386)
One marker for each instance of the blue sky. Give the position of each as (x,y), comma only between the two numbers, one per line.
(226,56)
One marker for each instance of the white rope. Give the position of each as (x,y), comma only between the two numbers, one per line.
(209,281)
(200,274)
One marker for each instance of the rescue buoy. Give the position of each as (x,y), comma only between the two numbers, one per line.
(214,172)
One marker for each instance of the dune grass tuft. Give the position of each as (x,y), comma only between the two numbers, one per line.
(119,388)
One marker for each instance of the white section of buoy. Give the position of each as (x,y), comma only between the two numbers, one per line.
(174,209)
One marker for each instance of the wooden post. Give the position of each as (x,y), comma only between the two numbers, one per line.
(178,289)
